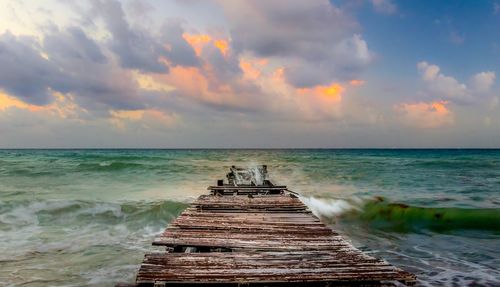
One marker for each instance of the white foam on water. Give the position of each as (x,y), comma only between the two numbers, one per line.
(105,163)
(102,208)
(110,275)
(328,208)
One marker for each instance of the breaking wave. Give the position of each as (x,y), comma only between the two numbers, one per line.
(18,213)
(382,214)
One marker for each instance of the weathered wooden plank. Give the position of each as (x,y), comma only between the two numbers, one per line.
(269,266)
(265,199)
(296,216)
(256,188)
(252,244)
(235,234)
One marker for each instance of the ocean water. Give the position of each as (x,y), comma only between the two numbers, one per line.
(86,217)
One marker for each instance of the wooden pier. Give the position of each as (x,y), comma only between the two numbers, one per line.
(258,234)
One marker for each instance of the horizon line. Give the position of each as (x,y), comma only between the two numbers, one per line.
(249,148)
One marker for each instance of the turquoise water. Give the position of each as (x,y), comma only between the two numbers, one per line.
(86,217)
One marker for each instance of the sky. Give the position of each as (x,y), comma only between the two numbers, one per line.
(249,74)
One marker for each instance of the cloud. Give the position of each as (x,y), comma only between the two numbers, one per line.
(346,59)
(384,6)
(316,40)
(482,82)
(143,119)
(283,101)
(356,82)
(197,41)
(76,44)
(135,48)
(139,48)
(179,51)
(206,86)
(63,106)
(96,81)
(135,71)
(426,115)
(66,61)
(447,87)
(442,85)
(443,90)
(25,72)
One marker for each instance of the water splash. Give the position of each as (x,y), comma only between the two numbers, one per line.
(328,208)
(253,174)
(257,174)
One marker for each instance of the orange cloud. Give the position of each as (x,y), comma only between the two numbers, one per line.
(197,41)
(332,92)
(203,86)
(7,101)
(319,102)
(149,82)
(356,83)
(189,80)
(279,74)
(252,68)
(63,106)
(128,115)
(223,46)
(426,115)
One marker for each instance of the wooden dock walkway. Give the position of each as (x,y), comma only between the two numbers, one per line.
(259,236)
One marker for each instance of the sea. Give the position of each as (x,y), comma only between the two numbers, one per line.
(86,217)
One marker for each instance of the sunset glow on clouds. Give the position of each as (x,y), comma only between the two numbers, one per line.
(426,115)
(305,73)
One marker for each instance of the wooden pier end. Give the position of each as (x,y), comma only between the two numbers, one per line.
(259,235)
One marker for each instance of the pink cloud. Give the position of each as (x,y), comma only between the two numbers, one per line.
(426,115)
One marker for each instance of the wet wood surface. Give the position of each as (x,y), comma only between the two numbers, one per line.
(259,240)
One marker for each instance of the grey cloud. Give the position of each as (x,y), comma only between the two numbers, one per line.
(316,40)
(75,44)
(75,65)
(180,52)
(345,61)
(277,28)
(68,61)
(88,73)
(135,48)
(24,72)
(225,69)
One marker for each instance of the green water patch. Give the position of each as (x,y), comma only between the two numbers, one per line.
(109,166)
(385,215)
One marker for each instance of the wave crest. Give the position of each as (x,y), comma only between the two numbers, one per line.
(400,217)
